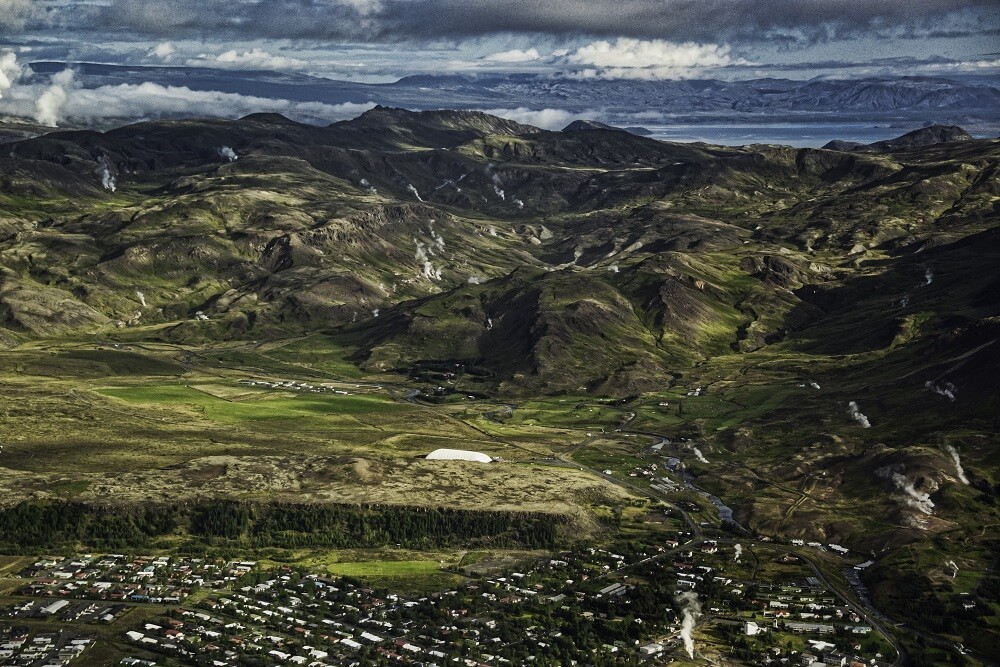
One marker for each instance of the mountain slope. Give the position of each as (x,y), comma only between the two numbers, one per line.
(822,325)
(307,229)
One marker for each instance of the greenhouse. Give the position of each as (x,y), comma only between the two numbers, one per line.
(458,455)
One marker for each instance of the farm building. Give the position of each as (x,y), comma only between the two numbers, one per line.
(458,455)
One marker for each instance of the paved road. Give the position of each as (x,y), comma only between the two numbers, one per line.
(869,613)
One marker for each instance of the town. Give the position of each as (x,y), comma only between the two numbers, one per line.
(636,602)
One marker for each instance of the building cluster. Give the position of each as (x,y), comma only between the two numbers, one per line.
(843,551)
(67,611)
(593,606)
(655,477)
(293,385)
(823,654)
(120,578)
(296,618)
(802,606)
(20,647)
(806,608)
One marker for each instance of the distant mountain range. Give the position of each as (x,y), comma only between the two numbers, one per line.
(971,101)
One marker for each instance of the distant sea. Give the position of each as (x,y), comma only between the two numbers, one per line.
(803,135)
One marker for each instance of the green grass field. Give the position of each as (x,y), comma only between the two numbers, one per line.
(386,569)
(266,406)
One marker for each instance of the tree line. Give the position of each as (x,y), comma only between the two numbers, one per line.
(32,525)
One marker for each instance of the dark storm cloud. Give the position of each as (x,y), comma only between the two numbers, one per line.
(395,20)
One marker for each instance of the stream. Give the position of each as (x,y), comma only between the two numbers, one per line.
(675,462)
(725,511)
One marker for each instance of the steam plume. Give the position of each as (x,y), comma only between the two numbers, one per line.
(493,230)
(421,254)
(438,239)
(497,183)
(946,389)
(50,103)
(739,552)
(409,186)
(958,463)
(10,71)
(475,280)
(430,272)
(613,268)
(108,180)
(520,204)
(916,499)
(928,277)
(699,455)
(142,298)
(953,566)
(375,313)
(691,610)
(228,153)
(453,182)
(855,413)
(427,269)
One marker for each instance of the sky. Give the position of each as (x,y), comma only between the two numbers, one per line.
(378,41)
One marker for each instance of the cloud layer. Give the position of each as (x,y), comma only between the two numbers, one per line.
(164,51)
(548,119)
(514,56)
(629,58)
(252,59)
(400,20)
(379,41)
(61,99)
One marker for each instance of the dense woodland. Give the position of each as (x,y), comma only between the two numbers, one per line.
(31,525)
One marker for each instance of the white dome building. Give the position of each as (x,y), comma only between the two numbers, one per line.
(458,455)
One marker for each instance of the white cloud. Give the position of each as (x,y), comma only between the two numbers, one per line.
(963,66)
(253,59)
(362,7)
(549,119)
(152,100)
(163,51)
(629,58)
(514,56)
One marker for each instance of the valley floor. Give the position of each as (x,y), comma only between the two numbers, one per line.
(239,421)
